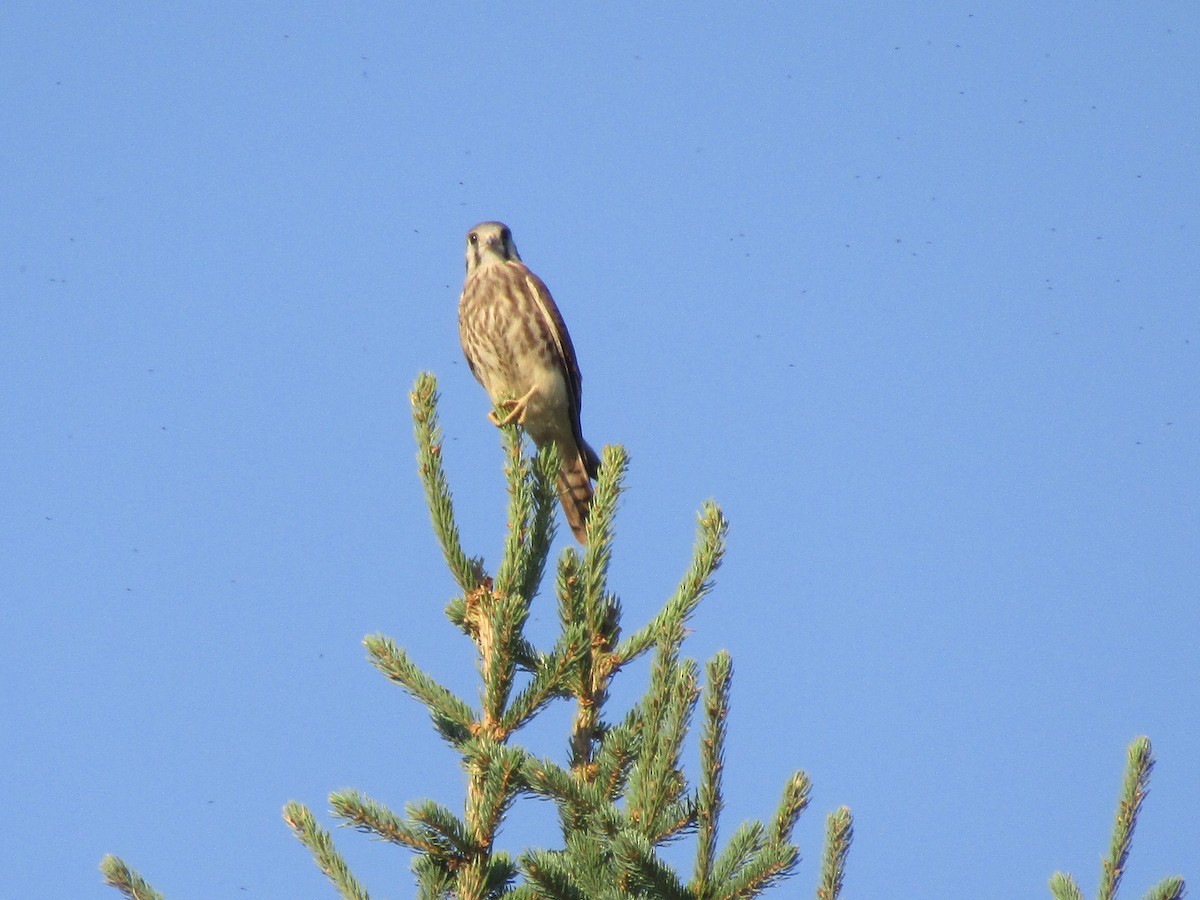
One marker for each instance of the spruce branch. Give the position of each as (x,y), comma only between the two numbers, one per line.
(1063,887)
(499,874)
(452,717)
(435,881)
(657,780)
(581,804)
(581,679)
(551,877)
(1129,804)
(1171,888)
(839,834)
(444,830)
(497,771)
(675,819)
(646,776)
(117,874)
(642,870)
(743,846)
(548,683)
(711,535)
(584,601)
(531,524)
(795,800)
(368,816)
(712,763)
(544,526)
(618,753)
(614,463)
(320,844)
(568,589)
(770,865)
(494,615)
(467,571)
(500,618)
(517,468)
(1134,789)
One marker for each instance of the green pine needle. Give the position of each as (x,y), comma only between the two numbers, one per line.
(747,841)
(770,865)
(711,537)
(1171,888)
(1063,887)
(320,844)
(551,876)
(442,828)
(453,718)
(1129,804)
(796,795)
(531,527)
(614,463)
(839,834)
(712,764)
(117,874)
(368,816)
(641,869)
(1133,792)
(467,572)
(549,682)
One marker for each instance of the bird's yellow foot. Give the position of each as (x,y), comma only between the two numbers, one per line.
(514,409)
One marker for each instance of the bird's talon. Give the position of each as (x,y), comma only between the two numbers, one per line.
(515,413)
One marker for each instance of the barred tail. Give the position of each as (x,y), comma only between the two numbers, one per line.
(575,490)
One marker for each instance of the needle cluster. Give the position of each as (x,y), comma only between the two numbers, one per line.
(621,792)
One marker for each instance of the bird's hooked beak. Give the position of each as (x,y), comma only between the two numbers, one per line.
(495,243)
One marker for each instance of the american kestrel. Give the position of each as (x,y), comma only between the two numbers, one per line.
(518,348)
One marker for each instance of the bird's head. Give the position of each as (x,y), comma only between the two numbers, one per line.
(489,243)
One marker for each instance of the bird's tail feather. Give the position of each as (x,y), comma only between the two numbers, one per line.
(575,493)
(591,460)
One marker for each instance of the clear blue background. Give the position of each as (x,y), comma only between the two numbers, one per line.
(912,291)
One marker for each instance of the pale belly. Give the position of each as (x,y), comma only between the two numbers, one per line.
(510,366)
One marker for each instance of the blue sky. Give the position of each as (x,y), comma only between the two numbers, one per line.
(911,292)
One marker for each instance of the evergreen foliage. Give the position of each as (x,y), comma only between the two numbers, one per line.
(622,794)
(127,881)
(1129,804)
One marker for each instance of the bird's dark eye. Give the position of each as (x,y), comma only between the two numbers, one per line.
(472,239)
(506,235)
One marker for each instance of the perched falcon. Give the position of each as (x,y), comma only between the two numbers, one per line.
(518,348)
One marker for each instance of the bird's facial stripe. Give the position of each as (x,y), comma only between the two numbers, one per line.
(473,254)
